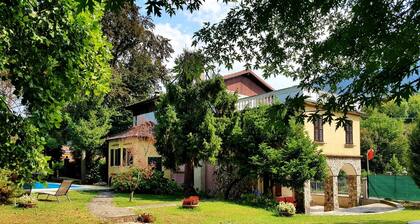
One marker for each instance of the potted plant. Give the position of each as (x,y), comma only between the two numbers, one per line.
(26,201)
(285,209)
(146,218)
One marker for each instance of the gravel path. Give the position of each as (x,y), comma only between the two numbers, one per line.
(103,207)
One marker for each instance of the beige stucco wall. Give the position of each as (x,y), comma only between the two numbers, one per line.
(141,149)
(335,139)
(318,199)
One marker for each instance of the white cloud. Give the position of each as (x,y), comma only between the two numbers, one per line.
(179,40)
(211,11)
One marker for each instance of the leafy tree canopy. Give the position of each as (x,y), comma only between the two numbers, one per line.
(387,136)
(138,61)
(189,117)
(267,142)
(51,55)
(327,45)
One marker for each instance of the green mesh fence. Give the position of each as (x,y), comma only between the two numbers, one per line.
(393,187)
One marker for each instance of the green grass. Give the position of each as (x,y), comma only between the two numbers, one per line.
(230,213)
(121,199)
(51,212)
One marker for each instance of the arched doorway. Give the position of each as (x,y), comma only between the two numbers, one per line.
(347,185)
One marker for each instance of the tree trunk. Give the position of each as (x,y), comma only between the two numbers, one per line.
(230,186)
(300,200)
(189,179)
(83,166)
(131,196)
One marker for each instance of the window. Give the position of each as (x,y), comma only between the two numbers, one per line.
(349,132)
(117,157)
(318,130)
(156,162)
(112,157)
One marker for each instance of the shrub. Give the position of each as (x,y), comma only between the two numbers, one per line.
(97,171)
(128,181)
(257,200)
(158,184)
(8,188)
(26,201)
(144,181)
(146,218)
(285,209)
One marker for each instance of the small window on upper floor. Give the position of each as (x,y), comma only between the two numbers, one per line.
(349,132)
(318,130)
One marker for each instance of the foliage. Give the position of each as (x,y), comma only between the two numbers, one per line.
(146,218)
(130,180)
(415,153)
(26,201)
(144,181)
(285,209)
(266,142)
(387,136)
(97,170)
(7,186)
(394,167)
(158,184)
(51,55)
(138,61)
(258,200)
(359,51)
(56,166)
(189,117)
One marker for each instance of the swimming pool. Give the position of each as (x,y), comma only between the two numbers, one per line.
(50,185)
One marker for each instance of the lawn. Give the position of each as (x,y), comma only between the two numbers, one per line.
(230,213)
(52,212)
(121,199)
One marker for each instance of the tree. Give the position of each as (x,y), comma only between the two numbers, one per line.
(266,142)
(387,136)
(51,55)
(138,61)
(188,117)
(361,52)
(87,124)
(394,167)
(415,153)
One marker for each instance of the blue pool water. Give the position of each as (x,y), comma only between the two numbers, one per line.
(49,185)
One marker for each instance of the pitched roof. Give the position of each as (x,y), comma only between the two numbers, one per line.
(251,75)
(144,130)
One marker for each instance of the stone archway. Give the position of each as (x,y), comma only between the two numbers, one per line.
(352,177)
(352,167)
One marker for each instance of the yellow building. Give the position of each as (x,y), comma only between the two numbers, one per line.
(340,146)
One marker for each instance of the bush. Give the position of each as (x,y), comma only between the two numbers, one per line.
(158,184)
(257,200)
(129,180)
(8,188)
(26,201)
(285,209)
(144,181)
(97,171)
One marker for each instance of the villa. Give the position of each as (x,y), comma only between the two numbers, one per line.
(341,146)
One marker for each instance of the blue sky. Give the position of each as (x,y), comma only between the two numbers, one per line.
(181,27)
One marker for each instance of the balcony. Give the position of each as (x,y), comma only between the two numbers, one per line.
(270,97)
